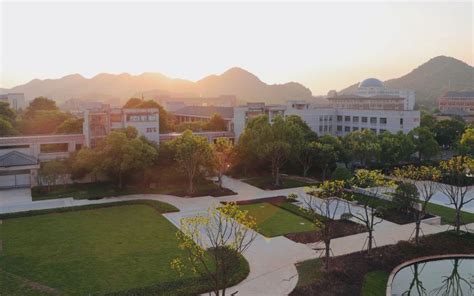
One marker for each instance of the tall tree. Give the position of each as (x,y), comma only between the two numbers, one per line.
(216,123)
(425,143)
(466,144)
(364,146)
(449,131)
(70,126)
(326,156)
(120,155)
(40,104)
(223,150)
(306,154)
(6,128)
(192,153)
(226,233)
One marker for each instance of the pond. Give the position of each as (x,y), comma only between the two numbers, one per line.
(447,276)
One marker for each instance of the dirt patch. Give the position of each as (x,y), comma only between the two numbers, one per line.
(339,228)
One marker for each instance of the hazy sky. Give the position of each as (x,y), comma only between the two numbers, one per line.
(324,45)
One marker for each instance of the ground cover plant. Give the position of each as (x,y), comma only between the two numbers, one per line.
(120,249)
(348,272)
(266,182)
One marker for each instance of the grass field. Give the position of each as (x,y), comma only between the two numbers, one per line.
(448,214)
(375,283)
(91,251)
(266,182)
(274,221)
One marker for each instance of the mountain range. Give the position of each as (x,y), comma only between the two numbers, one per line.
(429,81)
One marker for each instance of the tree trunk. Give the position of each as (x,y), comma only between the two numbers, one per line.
(219,178)
(305,171)
(369,243)
(277,176)
(417,231)
(191,186)
(120,181)
(458,220)
(327,243)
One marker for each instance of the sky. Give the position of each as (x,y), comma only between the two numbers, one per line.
(323,45)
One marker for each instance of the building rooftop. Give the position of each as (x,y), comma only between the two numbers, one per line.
(371,82)
(358,97)
(15,158)
(206,111)
(459,94)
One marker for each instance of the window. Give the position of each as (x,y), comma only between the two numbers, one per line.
(320,118)
(347,128)
(151,129)
(382,130)
(320,128)
(339,118)
(373,130)
(401,121)
(325,128)
(383,120)
(347,118)
(339,128)
(355,119)
(151,117)
(364,119)
(373,120)
(355,128)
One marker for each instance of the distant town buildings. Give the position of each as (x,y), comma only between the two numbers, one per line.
(15,100)
(204,114)
(457,103)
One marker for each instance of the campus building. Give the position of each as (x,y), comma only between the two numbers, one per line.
(457,103)
(15,100)
(190,114)
(371,106)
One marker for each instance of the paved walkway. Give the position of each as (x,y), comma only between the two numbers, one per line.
(272,260)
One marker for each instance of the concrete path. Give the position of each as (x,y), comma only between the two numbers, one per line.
(272,260)
(15,196)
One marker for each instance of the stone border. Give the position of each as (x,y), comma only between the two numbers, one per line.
(388,291)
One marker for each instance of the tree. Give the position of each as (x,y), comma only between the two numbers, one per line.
(306,154)
(456,184)
(428,120)
(192,153)
(272,142)
(405,197)
(364,146)
(373,181)
(40,104)
(86,161)
(326,156)
(466,144)
(425,143)
(341,146)
(226,232)
(223,153)
(216,123)
(165,118)
(308,134)
(449,131)
(70,126)
(395,148)
(120,155)
(6,128)
(7,113)
(52,170)
(426,179)
(323,204)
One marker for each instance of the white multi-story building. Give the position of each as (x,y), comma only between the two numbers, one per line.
(371,106)
(15,100)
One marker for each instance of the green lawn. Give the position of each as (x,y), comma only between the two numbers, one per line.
(266,182)
(375,283)
(448,214)
(274,221)
(96,251)
(100,190)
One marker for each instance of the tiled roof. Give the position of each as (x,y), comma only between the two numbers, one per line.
(15,158)
(206,111)
(358,97)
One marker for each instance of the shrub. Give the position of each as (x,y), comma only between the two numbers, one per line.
(405,197)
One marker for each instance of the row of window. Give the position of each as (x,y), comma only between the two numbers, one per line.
(151,129)
(348,129)
(363,119)
(137,118)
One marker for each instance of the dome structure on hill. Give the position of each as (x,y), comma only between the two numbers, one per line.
(371,82)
